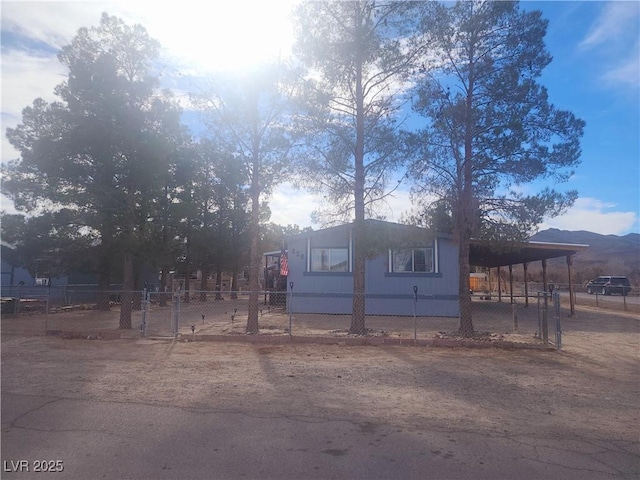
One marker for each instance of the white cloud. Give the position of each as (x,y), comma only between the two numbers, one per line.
(202,35)
(6,205)
(290,205)
(25,77)
(596,216)
(613,23)
(626,71)
(395,205)
(614,35)
(220,35)
(196,37)
(50,23)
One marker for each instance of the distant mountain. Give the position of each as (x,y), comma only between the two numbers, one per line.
(606,255)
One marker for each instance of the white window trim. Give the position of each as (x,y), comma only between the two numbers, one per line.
(350,252)
(434,259)
(329,249)
(436,256)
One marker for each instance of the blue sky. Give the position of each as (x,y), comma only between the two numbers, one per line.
(595,74)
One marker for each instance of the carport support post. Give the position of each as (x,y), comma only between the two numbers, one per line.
(526,285)
(572,302)
(511,282)
(490,284)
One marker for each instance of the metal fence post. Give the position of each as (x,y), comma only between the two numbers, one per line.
(545,319)
(178,315)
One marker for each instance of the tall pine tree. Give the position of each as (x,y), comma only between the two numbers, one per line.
(103,150)
(360,55)
(490,126)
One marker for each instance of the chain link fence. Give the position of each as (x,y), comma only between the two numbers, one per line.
(214,313)
(611,301)
(167,314)
(17,300)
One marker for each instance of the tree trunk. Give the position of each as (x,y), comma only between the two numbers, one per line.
(187,269)
(128,279)
(218,283)
(127,292)
(187,287)
(358,326)
(104,275)
(466,217)
(203,285)
(234,281)
(104,282)
(162,301)
(255,263)
(466,323)
(138,286)
(163,287)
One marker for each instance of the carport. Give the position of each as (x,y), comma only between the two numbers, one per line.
(491,255)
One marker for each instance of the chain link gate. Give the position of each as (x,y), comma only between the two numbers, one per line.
(556,315)
(160,314)
(549,301)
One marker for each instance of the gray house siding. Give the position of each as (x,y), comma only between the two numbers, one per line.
(387,293)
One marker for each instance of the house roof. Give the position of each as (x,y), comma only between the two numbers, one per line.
(389,227)
(483,254)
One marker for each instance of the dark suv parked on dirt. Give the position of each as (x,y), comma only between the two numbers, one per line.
(609,285)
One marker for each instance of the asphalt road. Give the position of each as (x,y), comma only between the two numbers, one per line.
(116,441)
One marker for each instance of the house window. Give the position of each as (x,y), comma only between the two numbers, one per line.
(412,260)
(329,260)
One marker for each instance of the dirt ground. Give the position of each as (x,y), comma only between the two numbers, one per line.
(581,402)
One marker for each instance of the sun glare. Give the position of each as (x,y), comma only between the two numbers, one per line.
(222,35)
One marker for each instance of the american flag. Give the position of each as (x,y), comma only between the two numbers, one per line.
(284,263)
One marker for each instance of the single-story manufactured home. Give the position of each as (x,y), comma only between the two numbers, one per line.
(403,261)
(409,269)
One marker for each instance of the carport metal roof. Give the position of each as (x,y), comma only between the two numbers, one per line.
(483,254)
